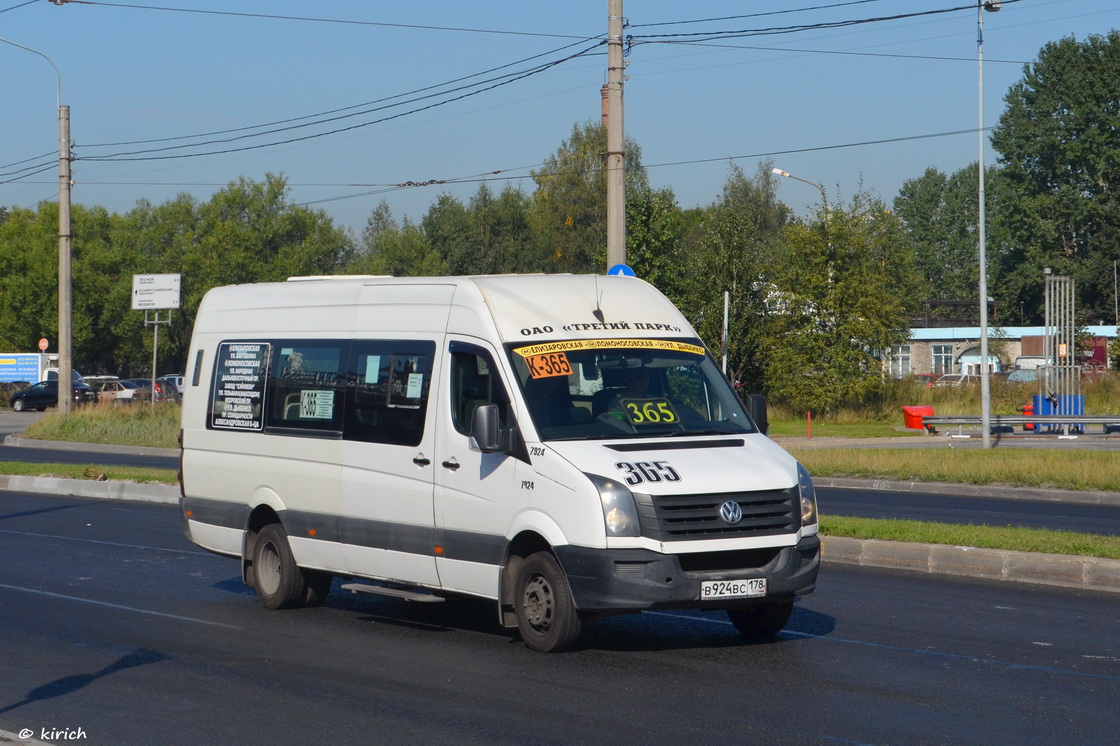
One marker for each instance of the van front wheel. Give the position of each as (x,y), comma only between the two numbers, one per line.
(277,579)
(546,613)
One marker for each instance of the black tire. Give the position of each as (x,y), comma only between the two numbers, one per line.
(18,405)
(546,612)
(762,620)
(277,579)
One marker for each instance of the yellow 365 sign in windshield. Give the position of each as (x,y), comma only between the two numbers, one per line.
(657,411)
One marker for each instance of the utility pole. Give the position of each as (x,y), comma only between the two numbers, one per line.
(65,311)
(615,161)
(985,375)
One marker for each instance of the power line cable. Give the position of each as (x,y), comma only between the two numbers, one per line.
(17,7)
(42,169)
(344,108)
(695,36)
(491,175)
(508,79)
(753,15)
(348,22)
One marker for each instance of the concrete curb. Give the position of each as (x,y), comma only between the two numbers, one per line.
(150,493)
(63,445)
(1087,573)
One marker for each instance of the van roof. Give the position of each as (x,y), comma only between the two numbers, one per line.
(530,308)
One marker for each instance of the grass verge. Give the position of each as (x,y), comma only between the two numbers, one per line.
(1013,538)
(135,425)
(1054,468)
(90,472)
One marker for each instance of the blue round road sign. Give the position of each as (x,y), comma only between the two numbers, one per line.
(621,269)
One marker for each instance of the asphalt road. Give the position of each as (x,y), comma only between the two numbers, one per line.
(980,511)
(112,623)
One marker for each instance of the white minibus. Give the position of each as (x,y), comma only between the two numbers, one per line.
(563,445)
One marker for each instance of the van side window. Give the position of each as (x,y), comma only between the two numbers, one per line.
(306,384)
(388,400)
(474,381)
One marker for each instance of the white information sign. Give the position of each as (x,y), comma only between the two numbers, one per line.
(153,292)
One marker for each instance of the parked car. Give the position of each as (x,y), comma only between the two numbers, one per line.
(956,379)
(142,389)
(116,391)
(172,387)
(45,394)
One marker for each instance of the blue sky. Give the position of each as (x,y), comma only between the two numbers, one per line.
(160,70)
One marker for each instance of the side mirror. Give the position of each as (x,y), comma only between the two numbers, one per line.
(486,432)
(756,408)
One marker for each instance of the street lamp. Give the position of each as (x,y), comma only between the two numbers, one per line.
(824,198)
(985,376)
(65,322)
(788,175)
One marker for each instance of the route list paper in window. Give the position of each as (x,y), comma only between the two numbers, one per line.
(239,385)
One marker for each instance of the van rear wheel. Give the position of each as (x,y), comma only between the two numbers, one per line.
(762,620)
(277,579)
(546,612)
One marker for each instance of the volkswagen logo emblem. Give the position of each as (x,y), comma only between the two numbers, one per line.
(730,512)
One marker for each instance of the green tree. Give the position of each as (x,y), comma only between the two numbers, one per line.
(730,248)
(1059,144)
(655,227)
(29,278)
(500,234)
(839,293)
(447,230)
(251,232)
(569,208)
(399,251)
(940,215)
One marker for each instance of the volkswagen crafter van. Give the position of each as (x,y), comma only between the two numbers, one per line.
(563,445)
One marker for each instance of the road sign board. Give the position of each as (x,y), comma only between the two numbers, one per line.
(621,269)
(155,291)
(44,344)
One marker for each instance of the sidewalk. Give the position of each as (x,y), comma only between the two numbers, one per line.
(1085,573)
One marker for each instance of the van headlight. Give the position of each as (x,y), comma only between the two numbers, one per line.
(620,514)
(808,497)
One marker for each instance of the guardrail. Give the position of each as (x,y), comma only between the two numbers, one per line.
(1109,422)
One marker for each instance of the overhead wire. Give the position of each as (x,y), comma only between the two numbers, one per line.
(692,36)
(330,112)
(343,21)
(472,89)
(502,80)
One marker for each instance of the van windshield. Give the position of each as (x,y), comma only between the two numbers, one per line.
(633,388)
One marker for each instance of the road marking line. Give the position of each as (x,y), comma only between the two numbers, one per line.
(105,543)
(119,606)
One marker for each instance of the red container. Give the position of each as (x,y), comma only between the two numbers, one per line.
(912,417)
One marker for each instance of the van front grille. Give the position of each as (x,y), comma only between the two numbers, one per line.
(691,517)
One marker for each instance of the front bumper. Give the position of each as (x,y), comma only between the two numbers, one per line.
(622,580)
